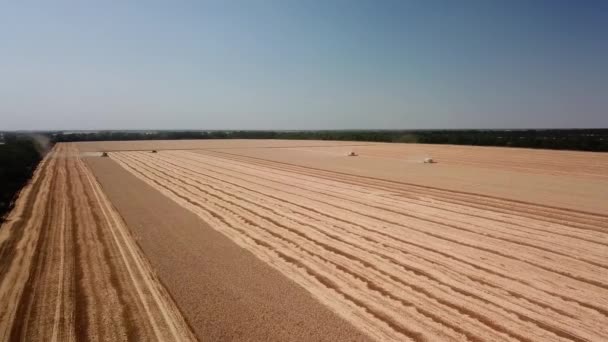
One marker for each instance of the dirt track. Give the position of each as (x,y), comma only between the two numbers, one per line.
(70,269)
(401,261)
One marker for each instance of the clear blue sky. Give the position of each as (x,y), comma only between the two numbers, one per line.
(303,64)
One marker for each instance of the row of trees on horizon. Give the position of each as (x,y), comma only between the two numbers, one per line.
(566,139)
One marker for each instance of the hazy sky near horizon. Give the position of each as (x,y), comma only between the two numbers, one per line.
(303,64)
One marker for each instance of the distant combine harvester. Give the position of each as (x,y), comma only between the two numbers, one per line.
(104,154)
(429,161)
(351,154)
(154,151)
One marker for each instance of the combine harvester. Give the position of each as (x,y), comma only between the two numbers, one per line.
(351,154)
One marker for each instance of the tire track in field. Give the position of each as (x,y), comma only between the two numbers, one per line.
(305,235)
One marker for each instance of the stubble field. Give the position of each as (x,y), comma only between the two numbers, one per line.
(295,240)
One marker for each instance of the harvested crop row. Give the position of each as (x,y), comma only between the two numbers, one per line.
(401,262)
(71,270)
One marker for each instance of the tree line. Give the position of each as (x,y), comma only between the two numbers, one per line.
(562,139)
(19,156)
